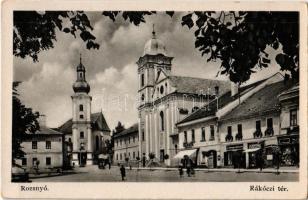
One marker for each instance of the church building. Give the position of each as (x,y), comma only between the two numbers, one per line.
(87,133)
(166,99)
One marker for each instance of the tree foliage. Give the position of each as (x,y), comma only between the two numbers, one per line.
(24,122)
(34,31)
(238,39)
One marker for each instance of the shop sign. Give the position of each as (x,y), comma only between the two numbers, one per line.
(284,141)
(254,146)
(234,147)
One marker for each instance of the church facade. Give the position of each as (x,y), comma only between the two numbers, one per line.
(164,100)
(86,133)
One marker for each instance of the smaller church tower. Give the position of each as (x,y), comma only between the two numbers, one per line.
(81,121)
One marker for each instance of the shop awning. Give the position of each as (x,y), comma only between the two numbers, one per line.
(252,150)
(189,153)
(103,156)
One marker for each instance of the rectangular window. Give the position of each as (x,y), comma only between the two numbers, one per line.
(81,116)
(24,161)
(212,131)
(203,134)
(269,122)
(258,125)
(48,160)
(80,107)
(293,117)
(134,155)
(81,134)
(117,157)
(142,135)
(34,160)
(229,130)
(48,144)
(185,136)
(142,80)
(239,128)
(193,135)
(120,156)
(34,144)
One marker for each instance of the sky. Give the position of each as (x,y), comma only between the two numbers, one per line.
(111,71)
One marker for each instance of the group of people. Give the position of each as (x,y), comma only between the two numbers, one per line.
(188,164)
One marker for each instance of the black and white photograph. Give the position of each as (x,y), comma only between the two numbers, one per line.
(160,96)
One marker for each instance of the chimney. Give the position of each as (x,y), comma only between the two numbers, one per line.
(42,120)
(234,89)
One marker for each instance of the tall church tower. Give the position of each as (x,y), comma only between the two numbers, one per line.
(153,60)
(81,121)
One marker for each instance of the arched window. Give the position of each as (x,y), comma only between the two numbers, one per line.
(194,109)
(142,80)
(80,107)
(162,125)
(97,143)
(161,89)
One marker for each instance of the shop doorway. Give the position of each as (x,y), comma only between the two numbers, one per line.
(82,159)
(162,155)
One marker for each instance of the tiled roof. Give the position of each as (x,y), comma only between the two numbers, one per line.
(47,131)
(265,100)
(132,129)
(197,85)
(97,120)
(211,108)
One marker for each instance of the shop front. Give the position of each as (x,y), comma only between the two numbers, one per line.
(255,154)
(209,158)
(289,150)
(234,156)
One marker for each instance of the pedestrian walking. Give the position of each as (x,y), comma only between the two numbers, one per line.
(109,165)
(181,170)
(123,174)
(188,167)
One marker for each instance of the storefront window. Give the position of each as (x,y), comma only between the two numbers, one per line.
(293,117)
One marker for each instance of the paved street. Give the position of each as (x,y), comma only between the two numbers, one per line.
(93,174)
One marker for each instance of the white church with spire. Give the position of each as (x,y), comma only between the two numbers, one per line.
(165,99)
(86,132)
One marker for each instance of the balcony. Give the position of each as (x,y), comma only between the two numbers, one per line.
(229,137)
(188,144)
(269,132)
(239,136)
(257,134)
